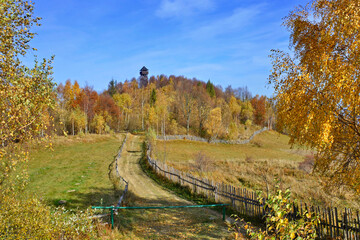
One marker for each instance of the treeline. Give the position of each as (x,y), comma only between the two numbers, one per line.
(169,105)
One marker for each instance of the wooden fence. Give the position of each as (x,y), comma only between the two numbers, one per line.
(333,223)
(118,156)
(199,139)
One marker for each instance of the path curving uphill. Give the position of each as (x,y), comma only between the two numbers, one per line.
(164,223)
(140,185)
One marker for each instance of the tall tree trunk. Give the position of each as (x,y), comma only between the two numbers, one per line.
(126,121)
(188,124)
(86,106)
(73,127)
(164,123)
(118,126)
(164,139)
(157,126)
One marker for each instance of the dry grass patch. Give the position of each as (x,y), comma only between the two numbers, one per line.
(256,165)
(170,224)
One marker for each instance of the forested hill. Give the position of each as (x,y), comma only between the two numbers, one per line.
(170,105)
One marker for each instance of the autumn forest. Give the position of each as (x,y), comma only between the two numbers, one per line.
(169,105)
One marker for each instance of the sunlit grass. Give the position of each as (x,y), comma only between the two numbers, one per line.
(254,166)
(76,170)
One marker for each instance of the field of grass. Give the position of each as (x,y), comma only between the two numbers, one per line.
(254,166)
(76,170)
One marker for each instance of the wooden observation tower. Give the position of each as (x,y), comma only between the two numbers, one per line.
(144,77)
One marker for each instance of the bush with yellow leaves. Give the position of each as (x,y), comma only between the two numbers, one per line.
(279,224)
(29,218)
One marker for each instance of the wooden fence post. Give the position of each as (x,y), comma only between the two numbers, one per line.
(344,224)
(232,196)
(330,222)
(358,225)
(215,192)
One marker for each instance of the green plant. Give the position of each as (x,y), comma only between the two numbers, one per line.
(30,218)
(81,134)
(279,224)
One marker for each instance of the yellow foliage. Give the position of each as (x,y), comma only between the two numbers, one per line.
(26,95)
(98,123)
(213,124)
(278,224)
(235,108)
(317,92)
(28,218)
(152,117)
(123,101)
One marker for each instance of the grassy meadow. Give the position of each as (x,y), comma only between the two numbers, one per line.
(76,170)
(254,166)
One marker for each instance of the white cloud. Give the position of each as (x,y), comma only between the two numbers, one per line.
(240,18)
(177,8)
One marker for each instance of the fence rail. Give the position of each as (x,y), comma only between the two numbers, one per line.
(114,209)
(333,223)
(118,156)
(199,139)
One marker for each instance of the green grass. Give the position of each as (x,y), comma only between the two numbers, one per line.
(76,170)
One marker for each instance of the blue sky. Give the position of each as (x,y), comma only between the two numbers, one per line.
(226,41)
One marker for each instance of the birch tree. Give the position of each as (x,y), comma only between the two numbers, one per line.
(317,91)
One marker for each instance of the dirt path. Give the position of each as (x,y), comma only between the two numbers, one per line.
(161,224)
(139,183)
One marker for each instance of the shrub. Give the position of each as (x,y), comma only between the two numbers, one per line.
(29,218)
(202,162)
(81,134)
(233,132)
(107,128)
(257,143)
(249,159)
(279,224)
(248,124)
(173,128)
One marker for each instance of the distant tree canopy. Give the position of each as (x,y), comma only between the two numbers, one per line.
(153,97)
(318,90)
(170,105)
(210,89)
(112,87)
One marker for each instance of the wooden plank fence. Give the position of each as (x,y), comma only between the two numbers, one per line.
(118,156)
(333,223)
(199,139)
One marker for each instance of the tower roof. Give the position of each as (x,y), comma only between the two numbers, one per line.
(144,69)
